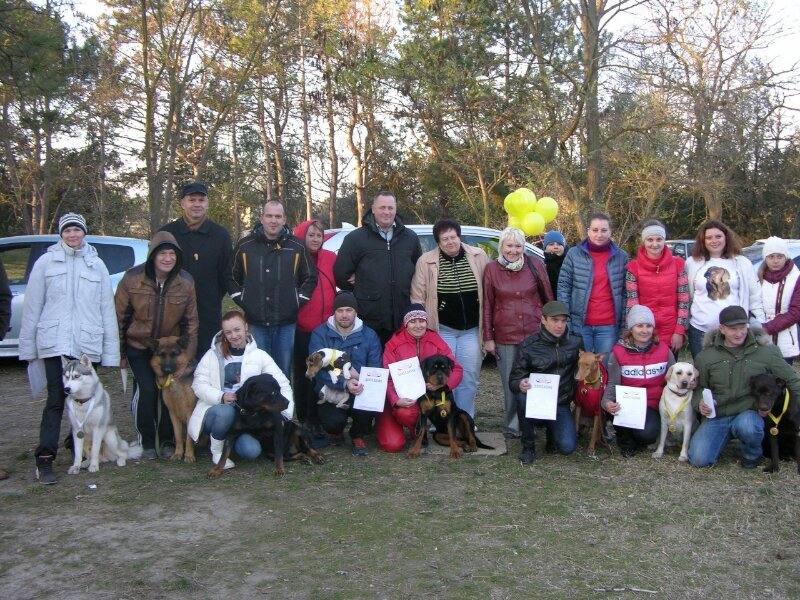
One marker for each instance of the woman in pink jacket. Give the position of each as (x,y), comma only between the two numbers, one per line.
(414,339)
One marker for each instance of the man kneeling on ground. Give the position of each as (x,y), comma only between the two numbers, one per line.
(552,350)
(731,356)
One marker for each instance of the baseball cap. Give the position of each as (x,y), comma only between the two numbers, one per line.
(733,315)
(555,308)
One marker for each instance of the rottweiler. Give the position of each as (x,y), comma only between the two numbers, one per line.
(259,403)
(454,426)
(781,415)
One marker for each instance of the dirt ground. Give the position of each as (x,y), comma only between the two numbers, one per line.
(388,527)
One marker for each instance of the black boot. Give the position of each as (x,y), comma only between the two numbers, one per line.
(44,469)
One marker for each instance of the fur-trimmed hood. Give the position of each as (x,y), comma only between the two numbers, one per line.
(758,335)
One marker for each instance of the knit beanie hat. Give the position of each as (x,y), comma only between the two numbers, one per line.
(554,236)
(639,314)
(415,311)
(775,245)
(71,220)
(345,299)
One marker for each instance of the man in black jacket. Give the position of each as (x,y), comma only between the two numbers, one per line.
(273,277)
(552,350)
(377,262)
(207,256)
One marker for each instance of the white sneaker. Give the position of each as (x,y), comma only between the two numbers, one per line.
(229,464)
(216,453)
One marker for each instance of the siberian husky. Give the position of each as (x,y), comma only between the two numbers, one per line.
(89,408)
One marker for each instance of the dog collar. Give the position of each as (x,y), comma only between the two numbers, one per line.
(334,355)
(166,384)
(672,415)
(777,420)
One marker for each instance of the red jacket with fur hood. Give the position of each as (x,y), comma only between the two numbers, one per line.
(317,310)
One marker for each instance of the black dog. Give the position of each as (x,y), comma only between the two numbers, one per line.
(259,403)
(781,420)
(454,427)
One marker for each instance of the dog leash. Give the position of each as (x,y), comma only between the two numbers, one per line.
(777,420)
(672,427)
(166,384)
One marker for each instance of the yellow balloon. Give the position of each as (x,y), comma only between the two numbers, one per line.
(532,223)
(548,208)
(527,201)
(512,204)
(514,221)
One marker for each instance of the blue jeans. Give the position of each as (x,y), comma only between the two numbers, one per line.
(695,340)
(599,339)
(217,422)
(466,347)
(560,432)
(278,342)
(710,439)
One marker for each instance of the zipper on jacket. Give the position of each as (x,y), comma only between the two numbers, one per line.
(157,317)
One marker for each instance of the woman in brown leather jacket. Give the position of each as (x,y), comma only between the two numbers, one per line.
(515,287)
(153,300)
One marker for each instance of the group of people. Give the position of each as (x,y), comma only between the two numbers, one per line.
(394,303)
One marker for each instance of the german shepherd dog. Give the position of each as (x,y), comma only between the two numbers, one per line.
(259,403)
(781,414)
(454,426)
(169,357)
(89,408)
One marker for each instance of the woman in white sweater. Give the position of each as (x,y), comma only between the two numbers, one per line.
(232,359)
(719,276)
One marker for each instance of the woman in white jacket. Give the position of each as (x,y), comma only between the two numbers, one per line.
(68,311)
(719,276)
(780,293)
(232,359)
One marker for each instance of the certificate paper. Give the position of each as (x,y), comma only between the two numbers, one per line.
(407,378)
(708,399)
(542,399)
(633,407)
(373,397)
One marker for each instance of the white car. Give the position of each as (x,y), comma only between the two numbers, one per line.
(20,252)
(482,237)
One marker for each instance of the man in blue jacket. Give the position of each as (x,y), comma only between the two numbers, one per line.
(346,332)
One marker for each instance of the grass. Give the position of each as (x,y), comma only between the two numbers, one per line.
(389,527)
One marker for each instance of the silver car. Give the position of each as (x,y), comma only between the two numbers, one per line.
(20,252)
(483,237)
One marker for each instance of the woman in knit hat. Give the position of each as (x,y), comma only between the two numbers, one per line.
(780,295)
(639,359)
(657,279)
(68,311)
(413,339)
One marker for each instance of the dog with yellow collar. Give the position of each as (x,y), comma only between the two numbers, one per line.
(338,365)
(675,408)
(781,414)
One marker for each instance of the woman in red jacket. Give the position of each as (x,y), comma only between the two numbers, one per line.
(657,279)
(638,360)
(414,339)
(315,312)
(515,288)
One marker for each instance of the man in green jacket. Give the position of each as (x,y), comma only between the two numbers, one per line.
(732,355)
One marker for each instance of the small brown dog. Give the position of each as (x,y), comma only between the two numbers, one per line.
(337,363)
(169,358)
(593,377)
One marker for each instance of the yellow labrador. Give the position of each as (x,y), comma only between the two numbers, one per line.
(675,408)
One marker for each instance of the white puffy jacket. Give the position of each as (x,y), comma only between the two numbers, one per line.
(69,307)
(209,375)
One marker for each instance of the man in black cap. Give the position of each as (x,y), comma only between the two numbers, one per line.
(552,350)
(344,331)
(207,256)
(731,355)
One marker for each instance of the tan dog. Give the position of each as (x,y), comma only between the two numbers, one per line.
(169,358)
(592,378)
(675,408)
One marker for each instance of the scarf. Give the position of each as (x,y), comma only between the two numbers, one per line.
(511,266)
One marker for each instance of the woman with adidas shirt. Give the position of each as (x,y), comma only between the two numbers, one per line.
(719,276)
(232,359)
